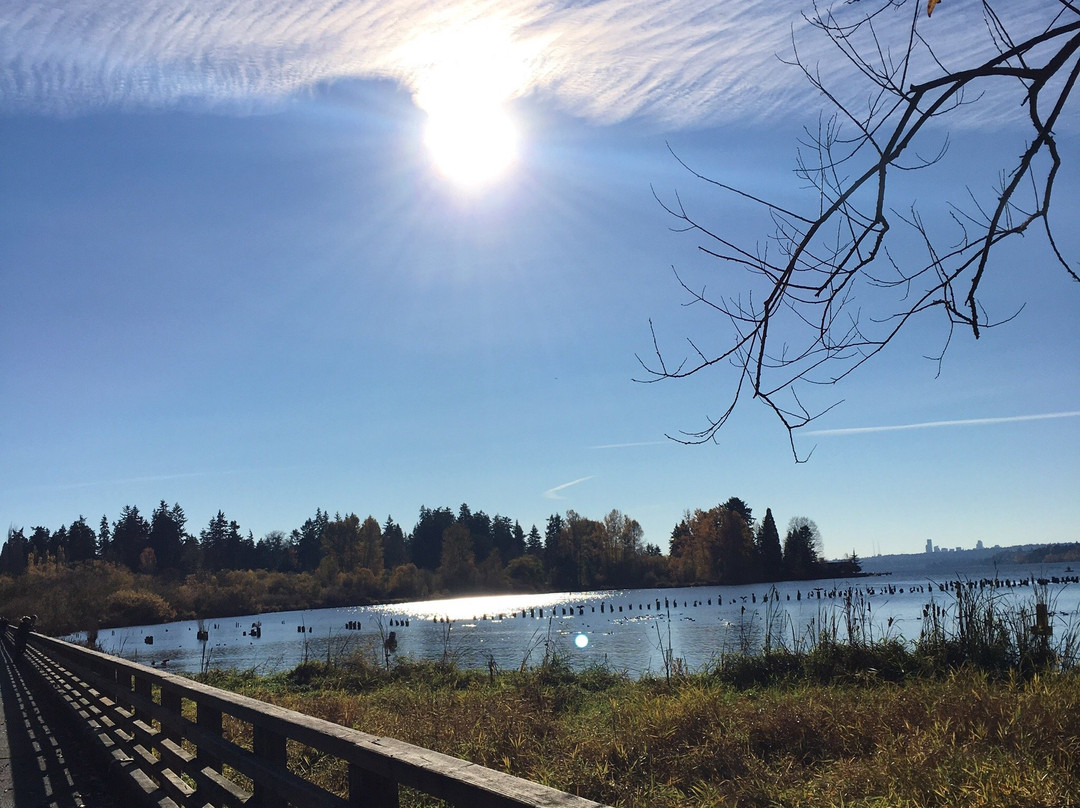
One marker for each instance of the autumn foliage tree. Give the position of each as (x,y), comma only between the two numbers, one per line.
(713,546)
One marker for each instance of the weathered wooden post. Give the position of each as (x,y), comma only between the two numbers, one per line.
(143,687)
(208,718)
(269,746)
(172,701)
(370,790)
(1042,627)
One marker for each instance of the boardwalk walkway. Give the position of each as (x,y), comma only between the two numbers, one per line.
(169,740)
(42,763)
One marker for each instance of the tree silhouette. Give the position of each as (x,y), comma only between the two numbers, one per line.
(768,547)
(834,283)
(802,548)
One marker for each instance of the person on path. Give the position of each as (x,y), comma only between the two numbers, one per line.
(22,634)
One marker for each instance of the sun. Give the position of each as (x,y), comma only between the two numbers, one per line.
(464,78)
(471,144)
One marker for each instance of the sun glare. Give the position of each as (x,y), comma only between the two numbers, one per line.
(471,145)
(464,78)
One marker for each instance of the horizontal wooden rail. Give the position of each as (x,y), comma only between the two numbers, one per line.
(163,736)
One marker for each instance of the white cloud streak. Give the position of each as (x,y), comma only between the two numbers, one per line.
(632,445)
(553,493)
(1010,419)
(127,481)
(675,62)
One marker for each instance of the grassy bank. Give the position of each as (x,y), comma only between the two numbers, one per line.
(817,735)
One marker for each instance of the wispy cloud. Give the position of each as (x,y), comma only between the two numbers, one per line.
(1009,419)
(152,478)
(553,493)
(631,445)
(679,62)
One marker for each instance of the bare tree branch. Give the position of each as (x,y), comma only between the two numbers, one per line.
(815,270)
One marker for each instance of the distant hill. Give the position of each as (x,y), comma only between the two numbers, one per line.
(984,559)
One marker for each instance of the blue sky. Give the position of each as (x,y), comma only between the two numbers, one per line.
(231,277)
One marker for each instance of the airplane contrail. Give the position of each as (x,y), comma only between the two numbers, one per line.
(553,493)
(1009,419)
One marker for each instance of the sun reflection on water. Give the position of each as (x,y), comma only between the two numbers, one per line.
(493,607)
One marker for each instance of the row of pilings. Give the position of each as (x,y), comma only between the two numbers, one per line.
(845,593)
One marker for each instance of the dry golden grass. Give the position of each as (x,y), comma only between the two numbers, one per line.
(960,739)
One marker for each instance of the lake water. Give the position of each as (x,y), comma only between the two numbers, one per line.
(629,630)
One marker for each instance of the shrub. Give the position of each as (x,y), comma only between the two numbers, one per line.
(133,607)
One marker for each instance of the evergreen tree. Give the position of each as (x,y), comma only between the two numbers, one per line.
(130,536)
(243,548)
(13,555)
(569,551)
(39,542)
(534,545)
(551,541)
(768,549)
(508,538)
(479,526)
(166,536)
(191,559)
(57,546)
(395,552)
(517,542)
(308,541)
(736,505)
(224,546)
(802,549)
(214,543)
(81,541)
(737,548)
(425,543)
(104,538)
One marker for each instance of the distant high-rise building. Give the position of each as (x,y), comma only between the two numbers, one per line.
(979,545)
(929,545)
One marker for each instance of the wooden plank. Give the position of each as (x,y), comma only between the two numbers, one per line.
(216,788)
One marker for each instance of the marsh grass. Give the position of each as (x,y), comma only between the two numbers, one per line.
(976,712)
(962,738)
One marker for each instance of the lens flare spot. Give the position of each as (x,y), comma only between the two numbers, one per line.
(581,641)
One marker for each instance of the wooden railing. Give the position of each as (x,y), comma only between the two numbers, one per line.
(162,737)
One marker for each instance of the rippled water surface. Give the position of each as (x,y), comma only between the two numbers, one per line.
(629,630)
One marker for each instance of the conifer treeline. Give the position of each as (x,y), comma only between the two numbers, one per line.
(446,552)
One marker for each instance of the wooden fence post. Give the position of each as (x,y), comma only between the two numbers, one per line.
(270,747)
(145,688)
(209,719)
(369,789)
(171,701)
